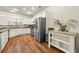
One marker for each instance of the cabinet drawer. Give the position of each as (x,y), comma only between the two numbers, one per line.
(64,46)
(61,37)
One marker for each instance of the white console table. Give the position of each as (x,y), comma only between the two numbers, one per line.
(64,41)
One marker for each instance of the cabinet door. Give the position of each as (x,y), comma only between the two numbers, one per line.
(4,39)
(12,33)
(19,31)
(0,41)
(6,36)
(26,31)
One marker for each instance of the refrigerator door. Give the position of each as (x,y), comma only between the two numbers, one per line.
(40,29)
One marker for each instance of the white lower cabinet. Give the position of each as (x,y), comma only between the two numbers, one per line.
(12,33)
(16,32)
(3,39)
(26,31)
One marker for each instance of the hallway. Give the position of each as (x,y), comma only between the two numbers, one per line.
(27,44)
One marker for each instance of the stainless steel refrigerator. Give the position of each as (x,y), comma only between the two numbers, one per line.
(40,29)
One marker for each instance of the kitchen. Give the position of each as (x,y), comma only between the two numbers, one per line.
(38,21)
(18,23)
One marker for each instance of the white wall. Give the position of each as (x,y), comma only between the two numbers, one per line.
(63,13)
(27,21)
(5,17)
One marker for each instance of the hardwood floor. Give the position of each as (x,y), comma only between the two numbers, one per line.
(27,44)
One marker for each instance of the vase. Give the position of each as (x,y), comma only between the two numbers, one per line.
(63,28)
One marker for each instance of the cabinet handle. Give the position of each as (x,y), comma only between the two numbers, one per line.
(50,34)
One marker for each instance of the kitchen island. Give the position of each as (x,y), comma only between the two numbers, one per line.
(7,32)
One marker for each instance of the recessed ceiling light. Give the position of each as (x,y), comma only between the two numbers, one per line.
(2,15)
(28,12)
(24,8)
(15,9)
(33,8)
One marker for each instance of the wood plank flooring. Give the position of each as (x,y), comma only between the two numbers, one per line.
(27,44)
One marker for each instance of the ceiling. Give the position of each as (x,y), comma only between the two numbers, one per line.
(23,10)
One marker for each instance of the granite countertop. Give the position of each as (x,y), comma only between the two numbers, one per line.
(66,33)
(5,28)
